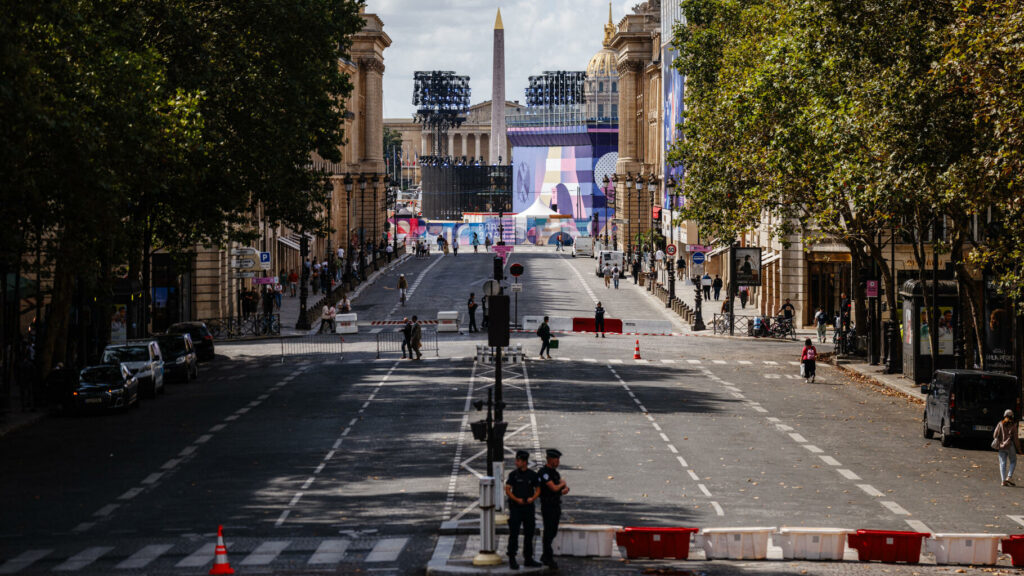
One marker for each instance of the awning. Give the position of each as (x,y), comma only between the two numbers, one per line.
(771,257)
(288,242)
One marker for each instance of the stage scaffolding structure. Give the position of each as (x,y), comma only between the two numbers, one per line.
(441,99)
(554,98)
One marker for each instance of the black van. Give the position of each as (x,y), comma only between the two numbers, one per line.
(967,403)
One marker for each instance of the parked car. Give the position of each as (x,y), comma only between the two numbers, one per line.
(180,361)
(967,403)
(144,359)
(106,386)
(202,339)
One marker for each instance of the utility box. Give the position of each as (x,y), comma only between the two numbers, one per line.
(917,343)
(448,321)
(346,324)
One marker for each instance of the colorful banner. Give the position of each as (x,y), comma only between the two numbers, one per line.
(672,113)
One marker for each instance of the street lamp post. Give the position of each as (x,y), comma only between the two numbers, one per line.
(607,184)
(629,227)
(639,213)
(330,234)
(349,184)
(670,183)
(362,210)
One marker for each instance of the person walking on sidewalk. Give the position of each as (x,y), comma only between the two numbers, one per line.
(599,320)
(552,488)
(615,276)
(1007,442)
(544,333)
(472,306)
(403,287)
(705,284)
(415,339)
(821,322)
(606,272)
(717,286)
(636,271)
(744,295)
(807,357)
(522,488)
(406,337)
(293,283)
(455,247)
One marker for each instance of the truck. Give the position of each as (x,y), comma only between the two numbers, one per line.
(583,246)
(612,258)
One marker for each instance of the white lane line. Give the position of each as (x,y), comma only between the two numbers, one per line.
(760,409)
(319,468)
(693,475)
(353,422)
(106,510)
(329,455)
(280,519)
(919,526)
(812,448)
(295,499)
(771,362)
(263,396)
(590,359)
(1017,519)
(152,478)
(329,552)
(199,558)
(203,439)
(254,403)
(24,560)
(682,461)
(83,526)
(848,474)
(720,362)
(870,490)
(386,550)
(171,463)
(798,438)
(737,395)
(773,419)
(231,418)
(187,450)
(667,361)
(664,437)
(218,427)
(654,424)
(265,553)
(794,363)
(615,361)
(640,361)
(309,482)
(745,362)
(644,410)
(130,494)
(718,508)
(346,431)
(784,428)
(336,445)
(242,410)
(895,508)
(144,556)
(672,449)
(83,558)
(705,490)
(830,460)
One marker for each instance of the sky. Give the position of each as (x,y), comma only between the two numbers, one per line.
(457,35)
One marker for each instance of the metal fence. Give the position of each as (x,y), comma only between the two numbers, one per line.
(242,327)
(744,324)
(320,347)
(391,341)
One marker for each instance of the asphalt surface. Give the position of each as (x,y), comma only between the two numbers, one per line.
(318,457)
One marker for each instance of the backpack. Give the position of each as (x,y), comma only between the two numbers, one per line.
(811,353)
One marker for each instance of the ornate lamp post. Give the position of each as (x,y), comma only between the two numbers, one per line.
(670,184)
(330,235)
(629,227)
(362,198)
(639,213)
(349,184)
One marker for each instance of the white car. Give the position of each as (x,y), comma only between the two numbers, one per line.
(145,361)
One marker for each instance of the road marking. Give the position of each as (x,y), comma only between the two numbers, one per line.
(682,461)
(353,422)
(693,475)
(255,403)
(771,362)
(171,463)
(794,363)
(199,558)
(295,499)
(812,448)
(830,460)
(83,526)
(329,455)
(590,359)
(895,508)
(720,362)
(336,445)
(187,450)
(615,361)
(243,410)
(130,494)
(667,361)
(848,474)
(280,519)
(664,437)
(654,424)
(694,361)
(24,560)
(798,438)
(745,362)
(737,395)
(144,556)
(218,427)
(644,410)
(386,550)
(263,396)
(1017,519)
(265,553)
(672,449)
(870,490)
(718,508)
(309,482)
(203,439)
(784,428)
(761,410)
(346,431)
(83,558)
(773,419)
(152,478)
(640,361)
(231,418)
(919,526)
(705,490)
(329,552)
(319,468)
(106,510)
(376,331)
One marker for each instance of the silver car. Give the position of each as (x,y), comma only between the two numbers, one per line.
(145,361)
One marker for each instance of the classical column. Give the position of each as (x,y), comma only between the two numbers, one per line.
(628,149)
(373,130)
(476,153)
(424,145)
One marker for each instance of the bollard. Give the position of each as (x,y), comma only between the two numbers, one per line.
(487,556)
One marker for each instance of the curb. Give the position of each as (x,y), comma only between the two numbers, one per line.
(915,397)
(21,422)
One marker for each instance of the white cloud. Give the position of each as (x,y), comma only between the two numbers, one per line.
(457,35)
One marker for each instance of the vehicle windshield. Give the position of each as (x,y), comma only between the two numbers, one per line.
(125,354)
(986,392)
(100,375)
(172,346)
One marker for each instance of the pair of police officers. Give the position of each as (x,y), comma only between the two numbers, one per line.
(523,487)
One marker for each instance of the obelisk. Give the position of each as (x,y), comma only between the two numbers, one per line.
(498,95)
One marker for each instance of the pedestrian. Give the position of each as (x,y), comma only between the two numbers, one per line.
(472,306)
(455,247)
(522,488)
(390,252)
(821,321)
(558,243)
(483,304)
(744,296)
(845,306)
(705,284)
(416,338)
(440,243)
(716,285)
(403,287)
(1007,442)
(544,333)
(607,273)
(599,320)
(807,357)
(406,337)
(552,488)
(325,319)
(345,305)
(278,295)
(636,271)
(487,243)
(293,282)
(476,242)
(615,276)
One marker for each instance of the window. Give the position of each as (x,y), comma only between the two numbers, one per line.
(600,110)
(615,86)
(615,110)
(600,86)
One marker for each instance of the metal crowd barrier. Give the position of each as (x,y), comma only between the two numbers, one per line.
(391,341)
(321,347)
(244,326)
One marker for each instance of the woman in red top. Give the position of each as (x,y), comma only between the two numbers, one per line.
(807,357)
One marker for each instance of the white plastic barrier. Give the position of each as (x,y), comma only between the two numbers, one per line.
(735,543)
(556,323)
(448,321)
(811,543)
(345,324)
(977,549)
(585,540)
(647,326)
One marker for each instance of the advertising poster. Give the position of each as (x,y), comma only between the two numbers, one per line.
(119,323)
(945,332)
(748,266)
(998,331)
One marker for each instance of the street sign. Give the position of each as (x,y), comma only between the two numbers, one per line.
(492,287)
(697,248)
(246,274)
(698,257)
(244,252)
(670,249)
(516,269)
(265,260)
(502,251)
(697,270)
(872,288)
(267,280)
(517,287)
(243,263)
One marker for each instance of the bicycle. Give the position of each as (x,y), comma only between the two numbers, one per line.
(782,328)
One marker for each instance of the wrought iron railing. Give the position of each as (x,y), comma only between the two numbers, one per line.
(244,326)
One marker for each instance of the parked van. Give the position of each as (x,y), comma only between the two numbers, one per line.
(612,258)
(583,246)
(967,403)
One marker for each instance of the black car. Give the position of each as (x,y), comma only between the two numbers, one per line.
(180,361)
(202,339)
(107,386)
(967,403)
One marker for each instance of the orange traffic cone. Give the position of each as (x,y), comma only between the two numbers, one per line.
(220,560)
(636,351)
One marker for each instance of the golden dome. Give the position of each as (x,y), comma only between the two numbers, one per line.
(603,63)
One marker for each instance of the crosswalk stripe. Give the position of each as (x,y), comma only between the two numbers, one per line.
(83,558)
(667,361)
(329,552)
(720,362)
(615,361)
(143,557)
(745,362)
(694,361)
(771,362)
(265,553)
(200,557)
(23,560)
(640,361)
(386,550)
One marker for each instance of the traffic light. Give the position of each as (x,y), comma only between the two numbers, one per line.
(499,268)
(497,321)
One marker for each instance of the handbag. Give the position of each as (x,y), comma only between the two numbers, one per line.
(803,370)
(553,344)
(995,444)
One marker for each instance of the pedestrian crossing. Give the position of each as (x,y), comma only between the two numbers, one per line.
(184,556)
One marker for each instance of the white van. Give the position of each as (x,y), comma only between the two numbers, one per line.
(583,246)
(612,258)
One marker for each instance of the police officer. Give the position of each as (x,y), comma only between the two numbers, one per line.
(552,487)
(522,488)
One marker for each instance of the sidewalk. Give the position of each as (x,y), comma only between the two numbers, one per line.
(894,382)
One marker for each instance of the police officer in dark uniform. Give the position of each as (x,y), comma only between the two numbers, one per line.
(522,488)
(552,487)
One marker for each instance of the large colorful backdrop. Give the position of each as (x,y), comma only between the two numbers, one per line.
(673,84)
